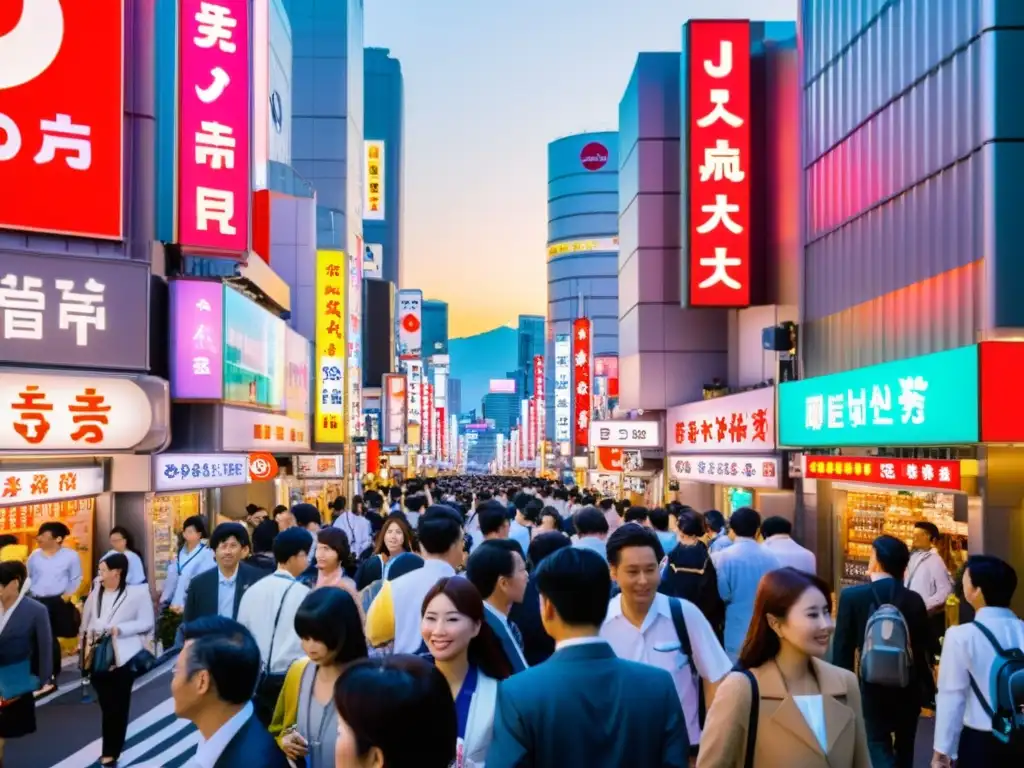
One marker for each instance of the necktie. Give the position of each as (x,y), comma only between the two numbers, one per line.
(516,634)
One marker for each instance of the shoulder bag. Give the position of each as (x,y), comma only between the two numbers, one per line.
(270,685)
(755,711)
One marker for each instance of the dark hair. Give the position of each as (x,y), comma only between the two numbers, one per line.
(406,562)
(337,539)
(776,594)
(330,616)
(55,528)
(636,515)
(251,509)
(13,570)
(533,509)
(339,503)
(416,502)
(745,522)
(439,529)
(590,521)
(715,520)
(606,504)
(115,561)
(659,519)
(577,583)
(291,542)
(372,695)
(552,513)
(545,544)
(226,531)
(305,514)
(196,523)
(691,523)
(996,579)
(930,528)
(632,535)
(279,509)
(490,561)
(263,536)
(485,650)
(775,525)
(892,554)
(7,539)
(357,505)
(380,548)
(129,540)
(492,516)
(228,652)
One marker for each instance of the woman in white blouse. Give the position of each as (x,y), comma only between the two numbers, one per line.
(193,558)
(124,613)
(806,713)
(121,541)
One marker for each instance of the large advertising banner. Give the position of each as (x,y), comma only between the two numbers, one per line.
(410,325)
(373,205)
(214,165)
(197,340)
(62,118)
(331,274)
(531,435)
(296,396)
(442,446)
(538,395)
(563,388)
(414,370)
(581,379)
(254,353)
(354,339)
(428,418)
(394,409)
(718,124)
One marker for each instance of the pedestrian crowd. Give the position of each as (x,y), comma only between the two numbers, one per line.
(475,621)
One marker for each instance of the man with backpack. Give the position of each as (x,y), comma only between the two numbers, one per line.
(888,625)
(979,717)
(665,632)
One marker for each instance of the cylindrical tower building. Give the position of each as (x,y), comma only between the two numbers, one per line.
(583,253)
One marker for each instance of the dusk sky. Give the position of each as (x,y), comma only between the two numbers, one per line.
(487,85)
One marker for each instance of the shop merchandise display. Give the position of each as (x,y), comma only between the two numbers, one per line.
(76,514)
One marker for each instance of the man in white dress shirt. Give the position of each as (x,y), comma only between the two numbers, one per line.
(927,575)
(591,530)
(963,722)
(356,527)
(640,625)
(777,533)
(55,574)
(214,676)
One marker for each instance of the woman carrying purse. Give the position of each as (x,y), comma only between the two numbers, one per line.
(116,619)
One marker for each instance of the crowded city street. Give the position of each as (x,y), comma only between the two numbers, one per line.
(587,384)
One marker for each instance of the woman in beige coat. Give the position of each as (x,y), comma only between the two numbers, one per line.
(808,711)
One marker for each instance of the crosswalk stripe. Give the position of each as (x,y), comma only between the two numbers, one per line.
(165,737)
(182,743)
(90,753)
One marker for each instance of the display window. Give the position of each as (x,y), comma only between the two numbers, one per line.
(321,493)
(167,513)
(78,515)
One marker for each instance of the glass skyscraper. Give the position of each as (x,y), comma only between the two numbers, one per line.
(435,327)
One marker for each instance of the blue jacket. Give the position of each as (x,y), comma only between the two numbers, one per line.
(585,707)
(252,747)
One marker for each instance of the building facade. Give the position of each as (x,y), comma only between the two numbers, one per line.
(435,327)
(583,244)
(501,408)
(531,343)
(385,122)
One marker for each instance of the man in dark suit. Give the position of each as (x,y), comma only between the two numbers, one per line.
(214,677)
(890,714)
(219,590)
(585,707)
(497,569)
(537,644)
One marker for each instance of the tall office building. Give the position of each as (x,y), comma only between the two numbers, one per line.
(530,345)
(503,409)
(385,130)
(455,397)
(435,327)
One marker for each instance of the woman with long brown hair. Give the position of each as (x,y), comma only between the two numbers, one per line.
(787,706)
(394,538)
(469,655)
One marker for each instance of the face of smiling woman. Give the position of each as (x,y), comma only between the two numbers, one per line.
(447,632)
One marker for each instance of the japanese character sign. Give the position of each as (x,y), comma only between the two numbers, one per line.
(35,486)
(741,422)
(41,413)
(748,471)
(880,470)
(62,311)
(329,407)
(213,126)
(197,340)
(414,390)
(581,351)
(62,118)
(719,184)
(373,204)
(563,383)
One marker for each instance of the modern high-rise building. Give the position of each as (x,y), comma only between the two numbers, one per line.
(454,397)
(503,409)
(583,245)
(385,130)
(531,340)
(435,327)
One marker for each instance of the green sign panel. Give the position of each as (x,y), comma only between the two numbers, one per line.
(928,400)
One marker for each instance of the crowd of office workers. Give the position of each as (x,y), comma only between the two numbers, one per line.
(473,620)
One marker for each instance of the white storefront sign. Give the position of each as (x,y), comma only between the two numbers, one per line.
(245,430)
(319,466)
(34,486)
(191,471)
(734,423)
(745,471)
(563,388)
(414,411)
(625,434)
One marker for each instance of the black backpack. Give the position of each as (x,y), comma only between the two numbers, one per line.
(1006,692)
(679,620)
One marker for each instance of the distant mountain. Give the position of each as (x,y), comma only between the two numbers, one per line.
(475,360)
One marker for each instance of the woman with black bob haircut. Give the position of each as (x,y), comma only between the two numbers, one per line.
(331,630)
(372,696)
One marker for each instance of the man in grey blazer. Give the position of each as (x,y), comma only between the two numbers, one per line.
(497,569)
(584,706)
(219,590)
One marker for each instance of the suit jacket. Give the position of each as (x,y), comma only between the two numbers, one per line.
(783,736)
(618,713)
(537,644)
(856,604)
(252,747)
(201,599)
(508,644)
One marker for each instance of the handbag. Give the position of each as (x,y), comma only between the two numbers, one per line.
(141,663)
(17,680)
(99,656)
